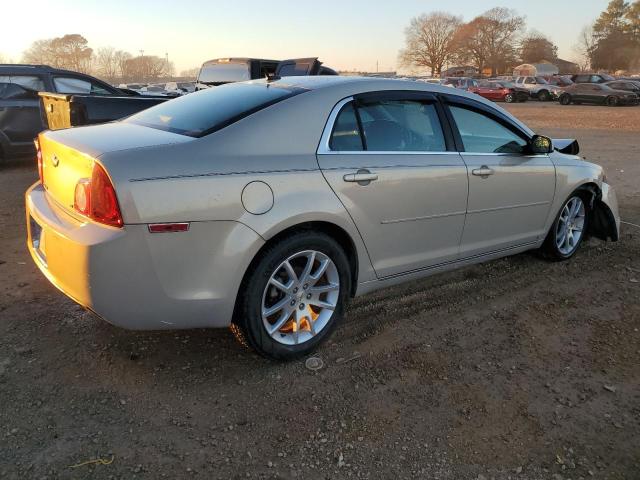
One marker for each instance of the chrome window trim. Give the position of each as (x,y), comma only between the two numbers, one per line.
(325,139)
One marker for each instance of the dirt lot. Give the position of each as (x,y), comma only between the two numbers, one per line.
(516,369)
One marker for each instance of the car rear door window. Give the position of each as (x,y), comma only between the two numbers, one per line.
(13,91)
(30,82)
(345,136)
(401,125)
(482,134)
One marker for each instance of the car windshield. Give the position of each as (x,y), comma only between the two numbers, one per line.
(542,80)
(216,73)
(211,109)
(505,84)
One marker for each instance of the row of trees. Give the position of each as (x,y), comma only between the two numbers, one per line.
(498,40)
(494,40)
(73,52)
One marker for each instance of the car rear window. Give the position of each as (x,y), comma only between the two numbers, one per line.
(217,73)
(210,110)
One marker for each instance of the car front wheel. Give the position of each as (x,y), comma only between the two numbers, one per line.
(543,96)
(293,296)
(565,99)
(568,229)
(612,101)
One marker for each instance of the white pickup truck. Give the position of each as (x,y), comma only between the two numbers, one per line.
(539,88)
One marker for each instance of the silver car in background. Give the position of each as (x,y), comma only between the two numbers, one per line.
(265,205)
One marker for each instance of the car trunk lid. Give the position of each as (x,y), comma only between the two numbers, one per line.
(69,155)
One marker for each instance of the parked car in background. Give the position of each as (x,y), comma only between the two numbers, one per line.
(625,85)
(539,88)
(500,91)
(559,80)
(598,94)
(158,89)
(181,87)
(591,78)
(393,181)
(461,83)
(20,115)
(228,70)
(136,87)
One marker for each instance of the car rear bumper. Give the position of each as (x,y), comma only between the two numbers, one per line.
(136,279)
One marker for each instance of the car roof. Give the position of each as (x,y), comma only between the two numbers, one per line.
(26,69)
(365,83)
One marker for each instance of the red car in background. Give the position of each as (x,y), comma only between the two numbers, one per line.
(500,91)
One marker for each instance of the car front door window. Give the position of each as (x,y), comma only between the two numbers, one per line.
(78,85)
(481,134)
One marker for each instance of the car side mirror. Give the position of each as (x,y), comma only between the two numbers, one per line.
(540,145)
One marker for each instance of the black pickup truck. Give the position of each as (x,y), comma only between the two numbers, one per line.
(76,99)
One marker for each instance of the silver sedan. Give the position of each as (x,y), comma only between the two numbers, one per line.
(266,205)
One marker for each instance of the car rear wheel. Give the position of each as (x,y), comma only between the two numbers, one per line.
(293,296)
(612,101)
(509,98)
(568,229)
(565,99)
(543,96)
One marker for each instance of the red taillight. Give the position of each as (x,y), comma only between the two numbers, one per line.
(96,198)
(39,160)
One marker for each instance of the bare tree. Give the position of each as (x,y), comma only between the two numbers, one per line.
(430,41)
(106,64)
(490,39)
(190,73)
(120,58)
(147,68)
(584,47)
(40,52)
(70,51)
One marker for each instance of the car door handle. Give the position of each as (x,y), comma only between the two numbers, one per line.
(483,171)
(363,177)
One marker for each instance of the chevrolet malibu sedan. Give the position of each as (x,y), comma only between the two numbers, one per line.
(266,205)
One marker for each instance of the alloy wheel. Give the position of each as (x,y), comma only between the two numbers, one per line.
(300,297)
(570,226)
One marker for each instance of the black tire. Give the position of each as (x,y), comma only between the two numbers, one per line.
(544,96)
(612,101)
(550,249)
(565,99)
(509,98)
(247,322)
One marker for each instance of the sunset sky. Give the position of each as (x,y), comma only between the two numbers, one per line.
(344,34)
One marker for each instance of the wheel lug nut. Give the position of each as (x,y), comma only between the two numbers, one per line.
(295,290)
(302,306)
(305,286)
(308,295)
(293,302)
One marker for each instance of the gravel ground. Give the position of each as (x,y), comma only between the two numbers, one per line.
(515,369)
